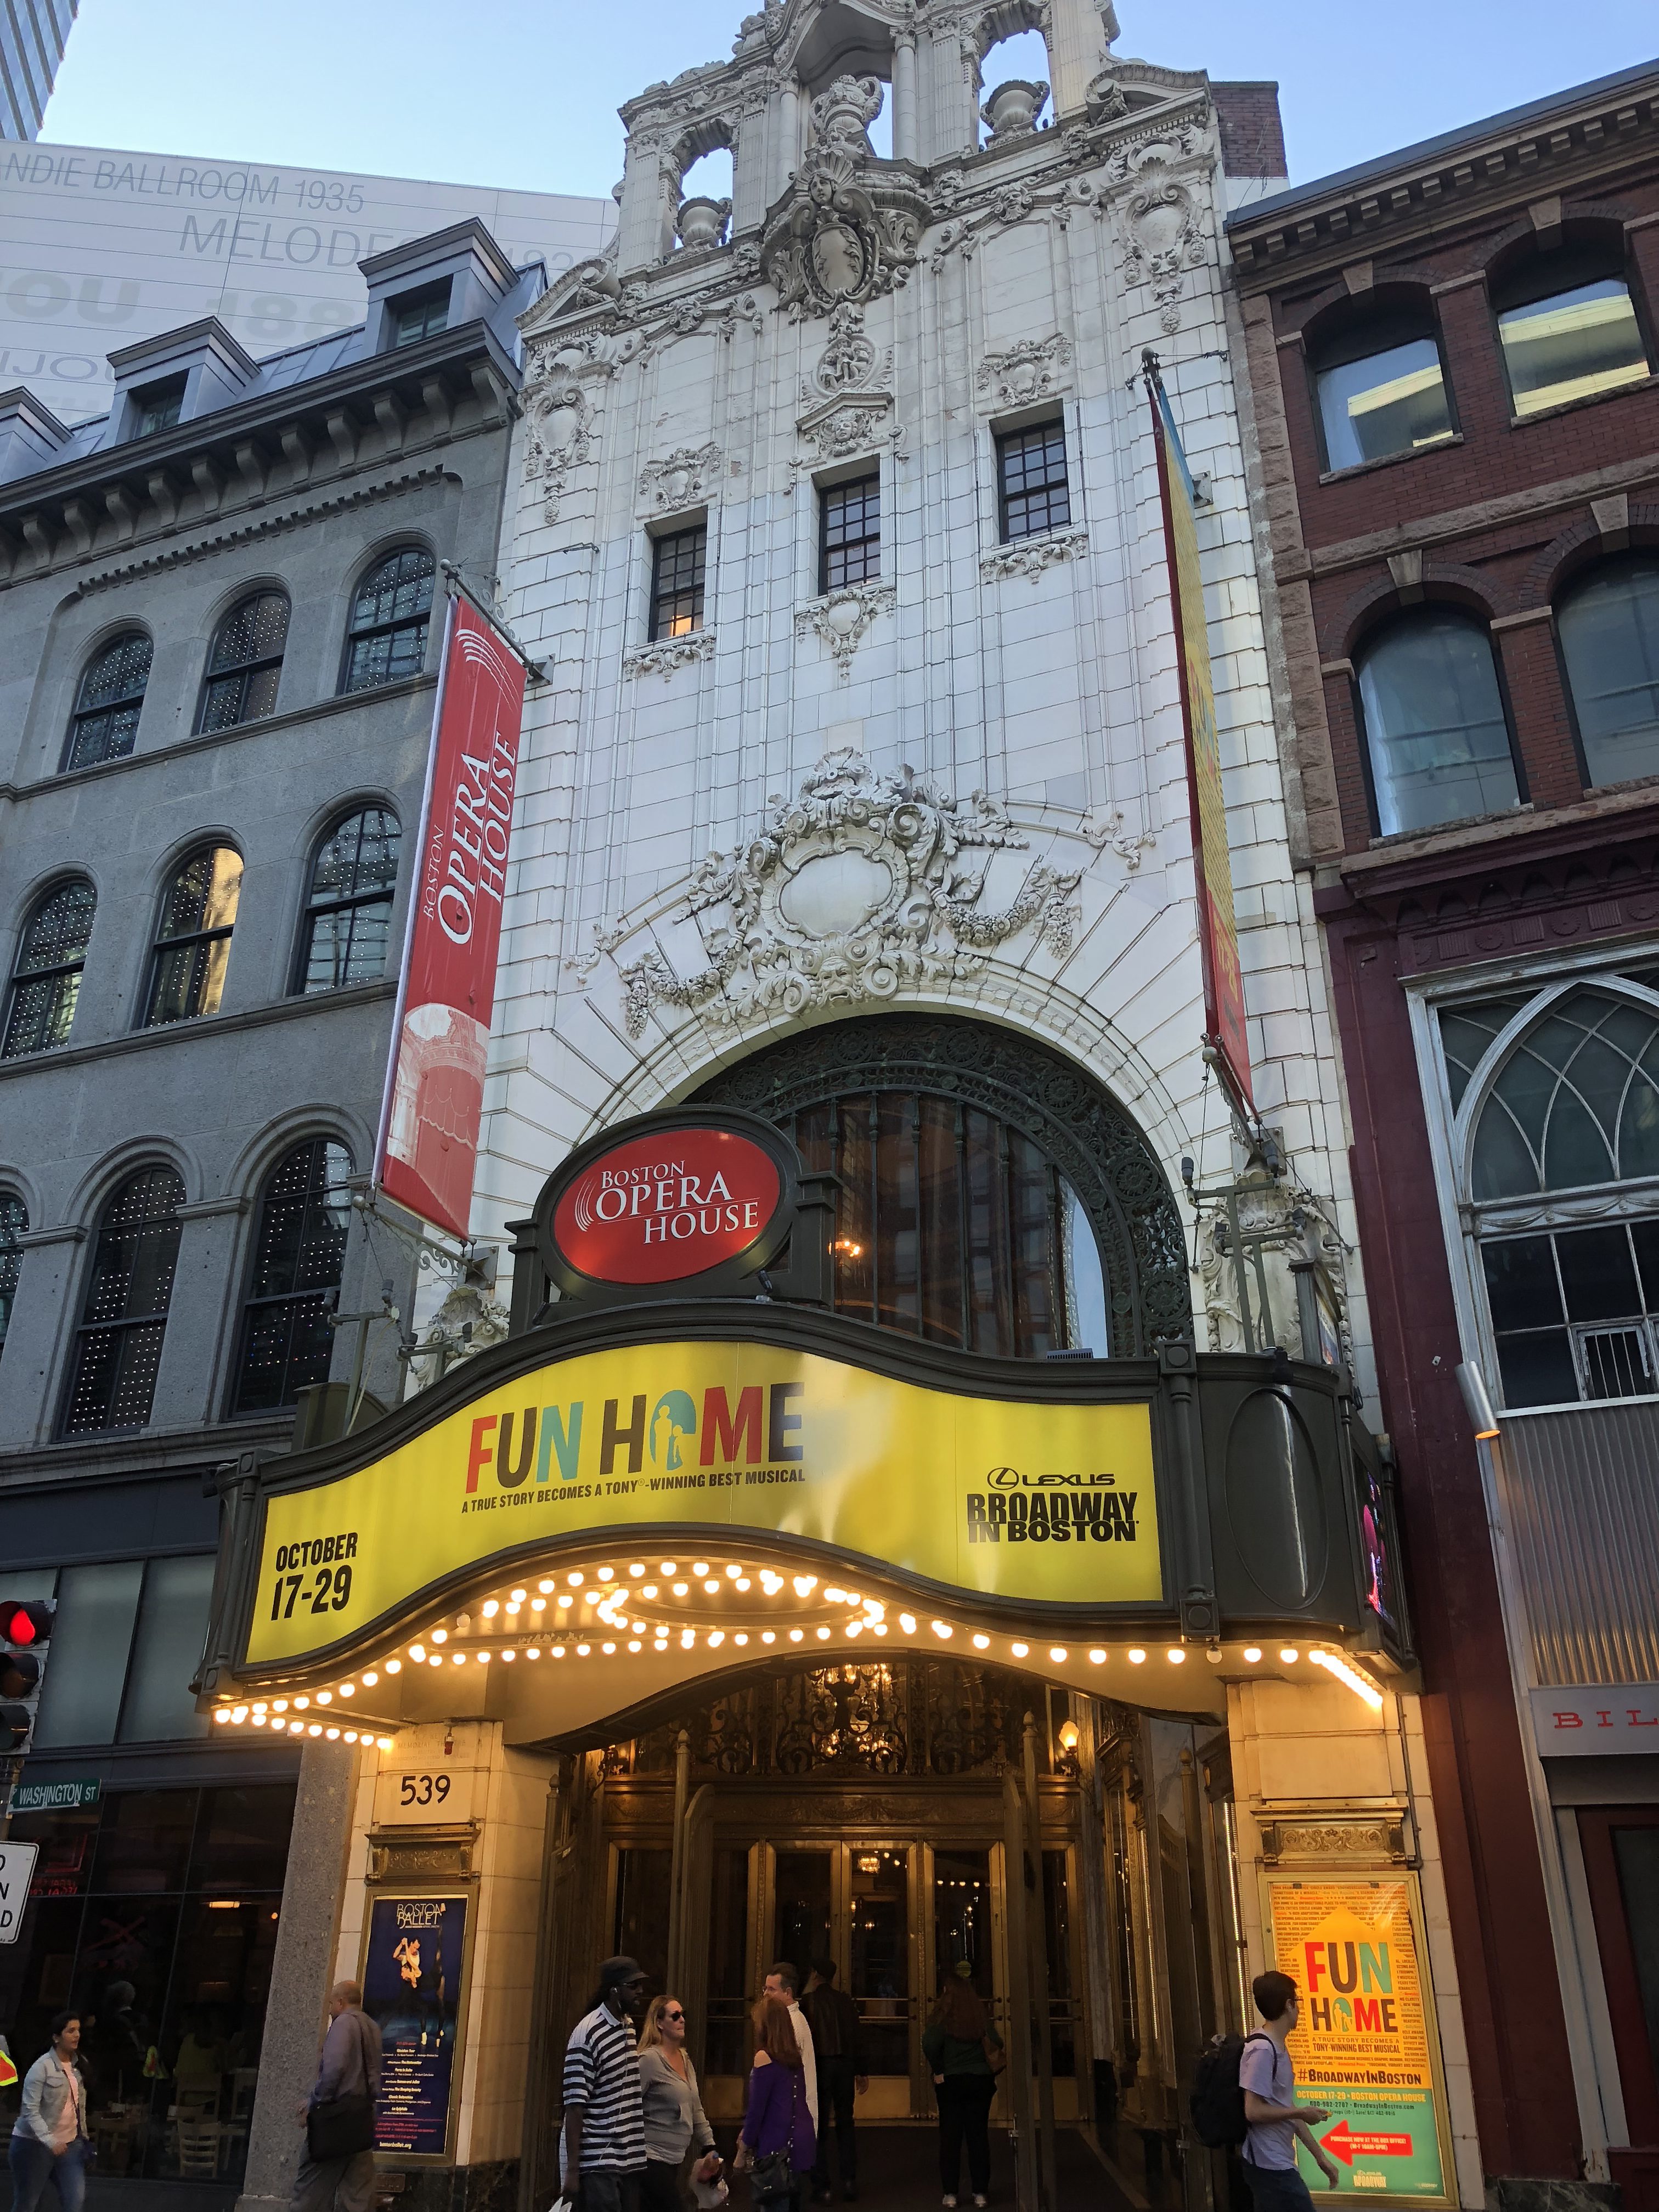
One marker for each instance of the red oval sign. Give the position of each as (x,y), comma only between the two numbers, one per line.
(661,1207)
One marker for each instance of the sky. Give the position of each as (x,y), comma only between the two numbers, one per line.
(524,94)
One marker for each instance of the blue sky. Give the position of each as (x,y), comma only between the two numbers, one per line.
(524,94)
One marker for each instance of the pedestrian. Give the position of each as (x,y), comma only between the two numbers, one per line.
(337,2166)
(838,2045)
(1275,2122)
(49,2136)
(603,2121)
(671,2109)
(784,1984)
(964,2054)
(778,2143)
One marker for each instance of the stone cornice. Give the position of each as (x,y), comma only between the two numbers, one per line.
(354,997)
(1532,154)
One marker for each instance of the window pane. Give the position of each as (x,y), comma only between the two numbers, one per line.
(1610,641)
(50,957)
(86,1664)
(256,630)
(300,1250)
(1086,1327)
(1570,347)
(1434,721)
(14,1224)
(677,582)
(143,1844)
(1393,402)
(1598,1275)
(1644,1234)
(1468,1034)
(124,1319)
(167,1652)
(1035,496)
(1538,1369)
(241,1839)
(1521,1283)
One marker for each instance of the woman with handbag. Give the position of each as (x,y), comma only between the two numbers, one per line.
(673,2115)
(49,2137)
(778,2144)
(336,2168)
(965,2054)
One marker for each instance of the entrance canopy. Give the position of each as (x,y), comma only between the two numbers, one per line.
(579,1522)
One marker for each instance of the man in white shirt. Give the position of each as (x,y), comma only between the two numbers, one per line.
(781,1982)
(1275,2122)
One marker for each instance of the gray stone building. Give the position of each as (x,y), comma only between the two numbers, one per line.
(220,614)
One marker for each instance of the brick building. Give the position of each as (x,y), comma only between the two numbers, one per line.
(1451,354)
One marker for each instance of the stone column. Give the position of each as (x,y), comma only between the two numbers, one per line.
(1077,50)
(301,1973)
(904,100)
(749,173)
(789,138)
(641,231)
(202,1308)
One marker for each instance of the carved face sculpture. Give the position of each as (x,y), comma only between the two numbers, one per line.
(838,261)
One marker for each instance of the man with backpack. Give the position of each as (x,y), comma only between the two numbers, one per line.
(1274,2122)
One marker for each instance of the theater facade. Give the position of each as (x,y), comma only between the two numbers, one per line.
(914,1499)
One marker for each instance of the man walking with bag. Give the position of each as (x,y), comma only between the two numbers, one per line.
(336,2167)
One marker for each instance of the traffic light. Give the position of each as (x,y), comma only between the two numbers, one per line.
(25,1632)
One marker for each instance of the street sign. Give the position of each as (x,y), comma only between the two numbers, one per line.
(16,1871)
(55,1797)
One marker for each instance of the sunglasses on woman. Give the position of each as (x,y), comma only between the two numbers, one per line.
(673,2015)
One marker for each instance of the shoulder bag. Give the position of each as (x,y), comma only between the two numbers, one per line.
(995,2057)
(775,2174)
(341,2127)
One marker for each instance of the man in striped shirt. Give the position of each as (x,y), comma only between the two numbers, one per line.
(603,2126)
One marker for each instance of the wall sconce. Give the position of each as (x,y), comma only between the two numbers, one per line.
(1476,1403)
(1067,1762)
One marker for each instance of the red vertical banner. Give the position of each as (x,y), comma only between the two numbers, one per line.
(1224,984)
(434,1102)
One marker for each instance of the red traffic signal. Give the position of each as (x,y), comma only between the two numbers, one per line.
(26,1623)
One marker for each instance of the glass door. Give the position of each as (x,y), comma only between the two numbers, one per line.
(878,1969)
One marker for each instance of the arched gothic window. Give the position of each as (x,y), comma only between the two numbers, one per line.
(246,663)
(1562,1155)
(1435,733)
(192,938)
(14,1227)
(389,611)
(105,722)
(117,1347)
(299,1250)
(349,912)
(46,977)
(1609,632)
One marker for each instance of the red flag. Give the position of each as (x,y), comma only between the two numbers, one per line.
(433,1098)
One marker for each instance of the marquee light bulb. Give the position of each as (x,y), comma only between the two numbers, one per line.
(490,1608)
(564,1599)
(607,1574)
(680,1589)
(1019,1650)
(574,1581)
(1252,1654)
(582,1650)
(880,1627)
(545,1588)
(740,1639)
(669,1568)
(1176,1658)
(222,1716)
(744,1582)
(716,1637)
(1137,1658)
(835,1596)
(510,1655)
(795,1635)
(824,1635)
(637,1568)
(538,1605)
(907,1623)
(650,1591)
(440,1636)
(700,1567)
(733,1569)
(981,1644)
(806,1584)
(315,1728)
(608,1649)
(688,1637)
(1097,1658)
(941,1628)
(418,1652)
(534,1652)
(333,1734)
(768,1636)
(1057,1653)
(558,1651)
(1287,1656)
(393,1667)
(712,1586)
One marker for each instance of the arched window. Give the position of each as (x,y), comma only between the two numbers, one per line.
(1573,1114)
(46,977)
(1567,324)
(104,722)
(386,637)
(14,1227)
(192,940)
(1609,630)
(349,914)
(117,1347)
(1436,736)
(246,663)
(305,1212)
(1381,385)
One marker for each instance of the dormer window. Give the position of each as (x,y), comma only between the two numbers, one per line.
(159,408)
(420,315)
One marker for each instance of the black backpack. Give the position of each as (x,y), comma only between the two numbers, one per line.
(1217,2102)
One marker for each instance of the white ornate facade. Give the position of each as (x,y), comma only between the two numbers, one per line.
(959,786)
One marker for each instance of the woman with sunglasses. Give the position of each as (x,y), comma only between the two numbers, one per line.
(674,2116)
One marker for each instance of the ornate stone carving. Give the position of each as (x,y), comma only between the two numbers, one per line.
(841,618)
(857,885)
(838,433)
(1032,556)
(1013,109)
(686,478)
(745,310)
(1162,235)
(1367,1835)
(1025,372)
(700,224)
(1105,99)
(848,230)
(1109,828)
(665,654)
(847,403)
(561,424)
(849,361)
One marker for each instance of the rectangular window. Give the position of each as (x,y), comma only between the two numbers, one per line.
(422,315)
(1574,346)
(1576,1315)
(677,577)
(165,1652)
(849,533)
(159,408)
(86,1660)
(1392,402)
(1032,492)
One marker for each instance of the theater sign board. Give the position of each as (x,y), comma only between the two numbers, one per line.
(1007,1499)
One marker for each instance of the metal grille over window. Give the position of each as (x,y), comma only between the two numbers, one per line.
(1031,481)
(851,551)
(246,663)
(304,1214)
(1609,628)
(192,947)
(14,1227)
(105,722)
(349,914)
(389,619)
(117,1349)
(46,981)
(951,1225)
(677,564)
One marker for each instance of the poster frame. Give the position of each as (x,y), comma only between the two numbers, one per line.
(1328,1875)
(400,1889)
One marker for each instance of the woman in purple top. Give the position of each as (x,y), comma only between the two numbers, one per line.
(777,2135)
